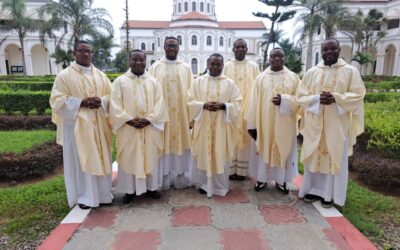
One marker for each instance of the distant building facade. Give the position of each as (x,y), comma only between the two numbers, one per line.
(195,24)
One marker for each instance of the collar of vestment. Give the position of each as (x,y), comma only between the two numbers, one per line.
(237,61)
(339,63)
(83,69)
(131,75)
(269,71)
(220,77)
(165,60)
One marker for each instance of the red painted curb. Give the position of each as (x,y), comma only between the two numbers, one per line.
(59,236)
(351,235)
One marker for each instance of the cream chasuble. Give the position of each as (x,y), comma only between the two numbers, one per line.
(92,129)
(176,79)
(275,129)
(137,97)
(243,73)
(327,127)
(214,133)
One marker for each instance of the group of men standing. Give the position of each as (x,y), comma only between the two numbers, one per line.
(233,122)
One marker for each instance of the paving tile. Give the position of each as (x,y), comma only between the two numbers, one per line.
(188,197)
(96,239)
(101,217)
(235,195)
(281,214)
(140,218)
(143,240)
(270,195)
(241,239)
(296,237)
(193,238)
(191,216)
(336,239)
(236,216)
(311,214)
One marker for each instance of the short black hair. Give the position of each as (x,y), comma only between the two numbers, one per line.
(137,51)
(332,39)
(238,40)
(82,42)
(171,37)
(277,48)
(216,55)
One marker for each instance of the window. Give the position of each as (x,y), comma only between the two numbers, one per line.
(202,7)
(316,58)
(194,65)
(158,42)
(152,47)
(179,40)
(208,8)
(221,41)
(209,42)
(152,62)
(393,24)
(229,42)
(179,8)
(194,40)
(143,46)
(186,7)
(193,6)
(319,30)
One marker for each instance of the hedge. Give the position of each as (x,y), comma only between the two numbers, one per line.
(24,101)
(22,85)
(31,122)
(382,97)
(383,86)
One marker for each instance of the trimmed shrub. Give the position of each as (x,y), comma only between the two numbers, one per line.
(31,122)
(36,162)
(382,97)
(24,101)
(32,86)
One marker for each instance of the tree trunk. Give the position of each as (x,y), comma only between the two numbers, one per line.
(309,51)
(21,40)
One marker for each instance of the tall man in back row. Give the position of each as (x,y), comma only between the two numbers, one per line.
(331,94)
(176,78)
(243,72)
(79,100)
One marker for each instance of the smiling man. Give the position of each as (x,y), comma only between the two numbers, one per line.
(214,106)
(176,78)
(243,72)
(331,95)
(138,114)
(79,101)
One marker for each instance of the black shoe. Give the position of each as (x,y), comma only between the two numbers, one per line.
(83,206)
(153,194)
(326,204)
(240,178)
(282,188)
(202,191)
(128,198)
(310,198)
(233,177)
(260,186)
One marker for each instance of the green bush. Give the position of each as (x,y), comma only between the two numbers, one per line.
(382,96)
(22,85)
(383,86)
(24,101)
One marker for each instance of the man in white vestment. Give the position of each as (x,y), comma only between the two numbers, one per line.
(243,72)
(176,78)
(138,114)
(271,115)
(79,100)
(214,106)
(331,95)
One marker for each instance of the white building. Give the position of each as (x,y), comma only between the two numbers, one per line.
(387,58)
(195,24)
(37,55)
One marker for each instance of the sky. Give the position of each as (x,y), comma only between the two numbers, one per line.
(161,10)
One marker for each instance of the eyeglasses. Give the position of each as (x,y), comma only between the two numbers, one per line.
(172,46)
(84,51)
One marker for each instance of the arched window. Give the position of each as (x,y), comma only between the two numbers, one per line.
(143,46)
(152,47)
(201,7)
(209,41)
(316,58)
(152,62)
(208,8)
(229,42)
(194,40)
(193,6)
(179,40)
(158,42)
(221,41)
(186,7)
(194,65)
(179,8)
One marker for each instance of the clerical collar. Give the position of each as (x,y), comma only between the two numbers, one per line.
(221,76)
(242,61)
(130,74)
(83,69)
(165,59)
(270,71)
(339,63)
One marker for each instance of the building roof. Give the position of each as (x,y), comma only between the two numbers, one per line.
(142,24)
(368,1)
(194,15)
(242,25)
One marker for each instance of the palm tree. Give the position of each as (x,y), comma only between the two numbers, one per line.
(334,16)
(62,56)
(15,20)
(102,46)
(78,16)
(363,58)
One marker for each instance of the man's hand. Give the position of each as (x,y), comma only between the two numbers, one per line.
(253,133)
(277,100)
(214,106)
(326,98)
(138,123)
(91,103)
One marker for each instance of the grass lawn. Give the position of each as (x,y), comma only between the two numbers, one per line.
(28,213)
(18,141)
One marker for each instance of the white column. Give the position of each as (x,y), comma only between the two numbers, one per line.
(3,69)
(380,62)
(396,67)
